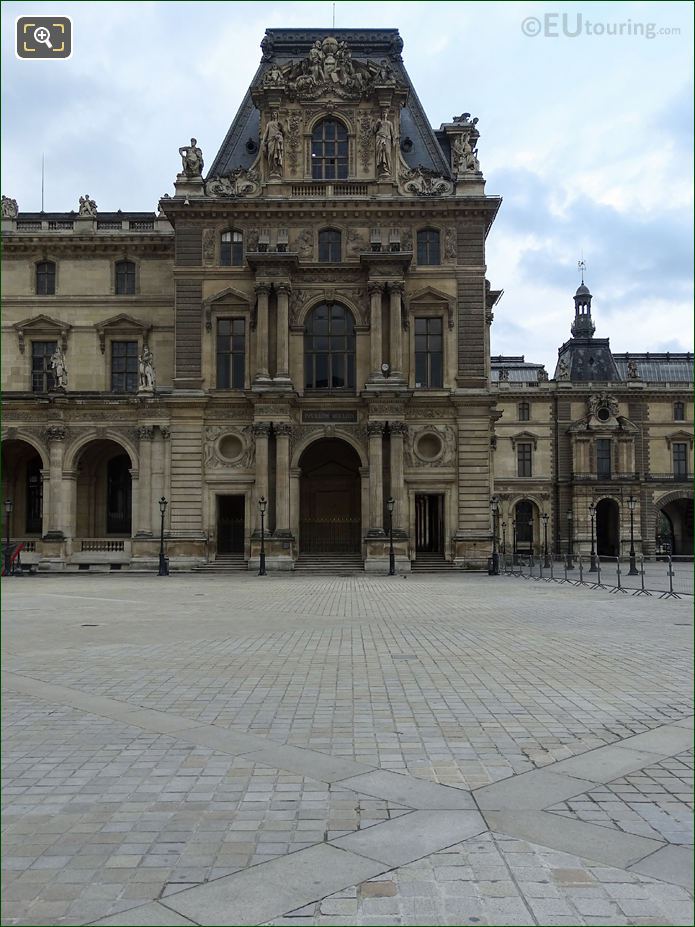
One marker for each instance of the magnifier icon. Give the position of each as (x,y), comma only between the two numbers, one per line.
(43,36)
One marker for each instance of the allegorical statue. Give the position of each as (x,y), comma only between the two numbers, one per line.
(384,144)
(9,208)
(274,144)
(192,159)
(146,367)
(87,206)
(60,373)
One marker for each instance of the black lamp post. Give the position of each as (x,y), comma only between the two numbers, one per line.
(546,558)
(592,516)
(262,504)
(514,555)
(504,538)
(495,509)
(8,559)
(570,540)
(163,565)
(390,504)
(631,504)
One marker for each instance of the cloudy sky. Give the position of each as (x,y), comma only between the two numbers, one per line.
(588,137)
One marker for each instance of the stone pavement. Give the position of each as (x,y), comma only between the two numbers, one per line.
(358,750)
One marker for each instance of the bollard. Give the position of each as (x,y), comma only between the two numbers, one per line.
(641,590)
(670,594)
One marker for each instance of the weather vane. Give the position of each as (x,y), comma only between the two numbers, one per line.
(581,267)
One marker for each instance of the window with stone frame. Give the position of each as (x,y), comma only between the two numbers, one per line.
(231,353)
(45,278)
(125,278)
(42,378)
(524,459)
(679,411)
(232,248)
(429,352)
(124,367)
(329,150)
(524,411)
(329,349)
(329,246)
(680,458)
(428,250)
(603,458)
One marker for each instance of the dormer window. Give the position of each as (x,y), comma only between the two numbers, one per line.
(329,151)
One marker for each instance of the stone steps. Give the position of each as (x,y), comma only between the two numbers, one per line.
(431,563)
(330,564)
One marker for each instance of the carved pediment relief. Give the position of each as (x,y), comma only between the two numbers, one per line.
(226,298)
(43,326)
(678,437)
(430,298)
(121,324)
(238,182)
(524,437)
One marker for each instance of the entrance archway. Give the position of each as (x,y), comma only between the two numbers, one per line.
(526,517)
(674,527)
(22,482)
(607,528)
(104,491)
(330,498)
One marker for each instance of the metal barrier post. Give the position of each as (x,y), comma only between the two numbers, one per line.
(552,571)
(598,584)
(564,566)
(581,572)
(670,594)
(619,587)
(641,590)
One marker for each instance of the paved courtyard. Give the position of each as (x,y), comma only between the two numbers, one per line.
(299,750)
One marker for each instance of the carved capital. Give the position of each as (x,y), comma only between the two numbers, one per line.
(375,429)
(262,288)
(285,288)
(374,287)
(261,429)
(284,429)
(397,286)
(54,433)
(165,431)
(145,432)
(398,428)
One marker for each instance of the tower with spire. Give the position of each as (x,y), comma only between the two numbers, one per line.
(583,357)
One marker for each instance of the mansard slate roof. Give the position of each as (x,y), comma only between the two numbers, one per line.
(281,46)
(658,368)
(519,370)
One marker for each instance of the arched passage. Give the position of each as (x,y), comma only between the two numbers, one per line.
(330,498)
(526,525)
(22,483)
(104,490)
(674,527)
(607,528)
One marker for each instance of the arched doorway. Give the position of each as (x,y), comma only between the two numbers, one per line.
(526,526)
(104,491)
(330,498)
(607,528)
(674,527)
(22,483)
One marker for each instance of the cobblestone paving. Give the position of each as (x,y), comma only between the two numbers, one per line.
(495,879)
(98,816)
(654,802)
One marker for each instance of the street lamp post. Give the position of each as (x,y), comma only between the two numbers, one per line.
(495,508)
(570,540)
(546,558)
(262,504)
(592,516)
(390,505)
(631,504)
(514,556)
(163,565)
(504,538)
(8,559)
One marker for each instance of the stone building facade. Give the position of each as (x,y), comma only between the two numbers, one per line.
(306,322)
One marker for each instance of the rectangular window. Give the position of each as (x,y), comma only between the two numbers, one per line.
(124,366)
(429,353)
(603,458)
(523,459)
(231,353)
(680,459)
(42,378)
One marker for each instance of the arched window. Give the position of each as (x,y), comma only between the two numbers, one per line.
(125,278)
(329,245)
(118,495)
(45,278)
(329,151)
(679,411)
(428,247)
(524,411)
(329,348)
(232,249)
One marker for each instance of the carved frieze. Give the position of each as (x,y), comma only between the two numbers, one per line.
(294,136)
(239,182)
(209,236)
(421,181)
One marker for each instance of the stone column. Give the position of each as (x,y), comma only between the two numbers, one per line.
(376,358)
(55,436)
(262,293)
(396,328)
(261,430)
(282,366)
(283,432)
(375,431)
(398,431)
(144,523)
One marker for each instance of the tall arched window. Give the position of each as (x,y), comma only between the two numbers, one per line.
(428,247)
(232,249)
(45,278)
(329,151)
(125,278)
(329,246)
(329,348)
(118,495)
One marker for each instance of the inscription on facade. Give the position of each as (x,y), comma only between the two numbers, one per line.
(330,415)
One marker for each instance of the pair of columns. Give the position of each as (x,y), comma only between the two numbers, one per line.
(283,432)
(282,358)
(375,433)
(395,290)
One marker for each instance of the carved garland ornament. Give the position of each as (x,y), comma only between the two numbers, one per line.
(228,447)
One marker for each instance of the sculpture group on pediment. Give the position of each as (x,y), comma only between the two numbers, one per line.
(9,208)
(239,182)
(87,207)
